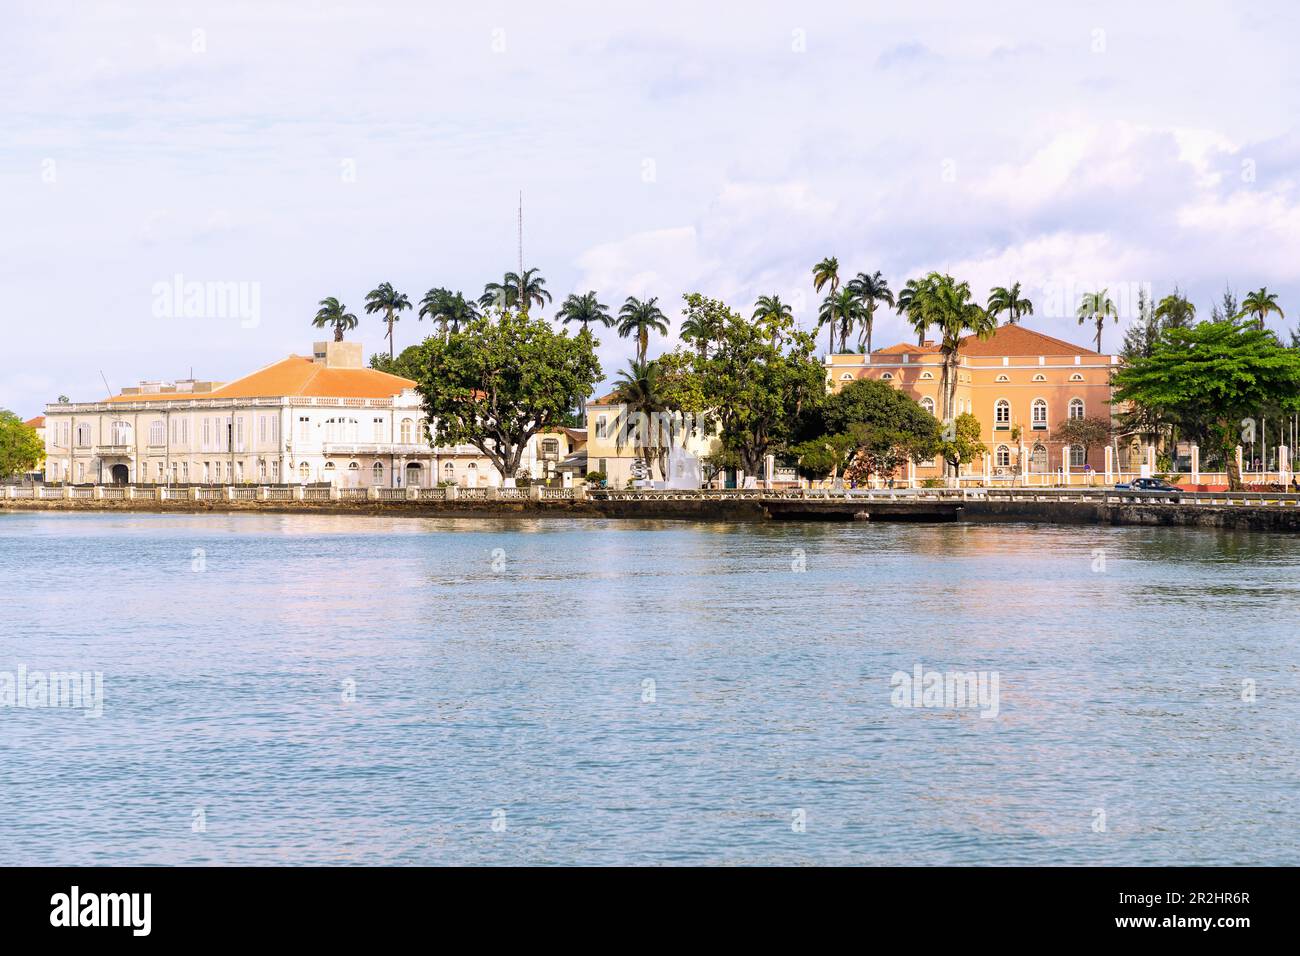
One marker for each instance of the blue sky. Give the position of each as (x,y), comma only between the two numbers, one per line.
(320,149)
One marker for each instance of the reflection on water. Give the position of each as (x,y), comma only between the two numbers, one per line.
(645,692)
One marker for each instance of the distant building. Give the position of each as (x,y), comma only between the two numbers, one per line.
(301,420)
(614,447)
(1016,380)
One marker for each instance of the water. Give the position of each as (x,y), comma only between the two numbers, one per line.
(512,690)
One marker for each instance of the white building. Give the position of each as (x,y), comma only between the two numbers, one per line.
(323,418)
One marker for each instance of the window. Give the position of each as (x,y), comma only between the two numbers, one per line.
(261,469)
(928,404)
(1002,414)
(304,471)
(185,472)
(1004,378)
(927,374)
(1039,459)
(846,377)
(83,436)
(121,433)
(1076,377)
(275,471)
(1076,456)
(1038,415)
(1002,457)
(377,472)
(1040,377)
(550,446)
(887,377)
(81,471)
(407,425)
(602,426)
(207,473)
(304,428)
(54,471)
(261,429)
(449,470)
(207,436)
(353,466)
(239,433)
(275,430)
(378,430)
(159,471)
(1076,408)
(216,470)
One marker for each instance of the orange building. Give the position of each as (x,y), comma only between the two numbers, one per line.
(1019,383)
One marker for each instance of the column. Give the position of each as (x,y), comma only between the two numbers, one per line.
(1110,465)
(1238,454)
(769,470)
(1024,465)
(1196,464)
(1283,464)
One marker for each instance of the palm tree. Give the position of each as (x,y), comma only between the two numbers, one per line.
(584,309)
(638,389)
(697,330)
(1260,304)
(384,299)
(775,315)
(640,319)
(947,303)
(870,289)
(827,272)
(909,302)
(1002,299)
(335,313)
(1096,306)
(842,307)
(516,291)
(449,309)
(1175,311)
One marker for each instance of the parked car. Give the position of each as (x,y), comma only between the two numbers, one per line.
(1151,485)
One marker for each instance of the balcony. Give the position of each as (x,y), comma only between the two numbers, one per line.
(113,451)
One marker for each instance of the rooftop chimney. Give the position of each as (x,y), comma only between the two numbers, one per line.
(337,354)
(928,343)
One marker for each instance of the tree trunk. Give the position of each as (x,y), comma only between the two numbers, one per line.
(390,334)
(338,333)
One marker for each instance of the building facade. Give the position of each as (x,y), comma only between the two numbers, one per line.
(302,420)
(1020,384)
(615,442)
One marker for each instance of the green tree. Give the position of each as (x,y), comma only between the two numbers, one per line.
(947,304)
(21,449)
(516,291)
(1260,304)
(909,303)
(867,428)
(1174,311)
(702,323)
(827,273)
(753,389)
(501,380)
(870,291)
(1010,301)
(449,309)
(1209,379)
(1140,338)
(1094,307)
(773,315)
(584,309)
(334,313)
(840,307)
(639,319)
(640,390)
(383,298)
(961,443)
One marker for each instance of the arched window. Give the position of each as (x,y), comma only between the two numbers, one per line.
(407,426)
(1076,377)
(449,469)
(927,374)
(1002,413)
(157,433)
(329,466)
(928,404)
(354,466)
(1004,378)
(1038,415)
(377,473)
(846,377)
(304,471)
(1076,408)
(1002,457)
(1040,377)
(121,432)
(83,436)
(1076,456)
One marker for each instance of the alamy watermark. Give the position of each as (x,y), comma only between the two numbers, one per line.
(182,299)
(74,690)
(952,690)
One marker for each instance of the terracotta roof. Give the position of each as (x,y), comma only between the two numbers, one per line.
(37,422)
(610,399)
(903,348)
(1018,340)
(297,375)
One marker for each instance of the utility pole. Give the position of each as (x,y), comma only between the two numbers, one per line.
(523,306)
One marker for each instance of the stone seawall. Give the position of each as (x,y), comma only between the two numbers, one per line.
(1239,517)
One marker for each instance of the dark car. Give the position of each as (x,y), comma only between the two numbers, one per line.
(1152,485)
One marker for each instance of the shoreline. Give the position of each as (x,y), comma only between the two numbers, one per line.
(1233,517)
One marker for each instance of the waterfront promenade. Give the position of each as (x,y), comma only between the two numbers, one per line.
(1259,511)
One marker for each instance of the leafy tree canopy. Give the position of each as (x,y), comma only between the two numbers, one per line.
(21,449)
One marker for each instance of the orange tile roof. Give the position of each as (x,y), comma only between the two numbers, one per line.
(610,399)
(37,422)
(300,376)
(903,348)
(1018,340)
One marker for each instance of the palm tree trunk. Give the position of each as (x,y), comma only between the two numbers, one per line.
(338,333)
(390,334)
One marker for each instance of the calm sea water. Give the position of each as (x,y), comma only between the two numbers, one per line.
(342,689)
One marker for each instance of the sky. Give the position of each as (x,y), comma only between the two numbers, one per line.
(295,151)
